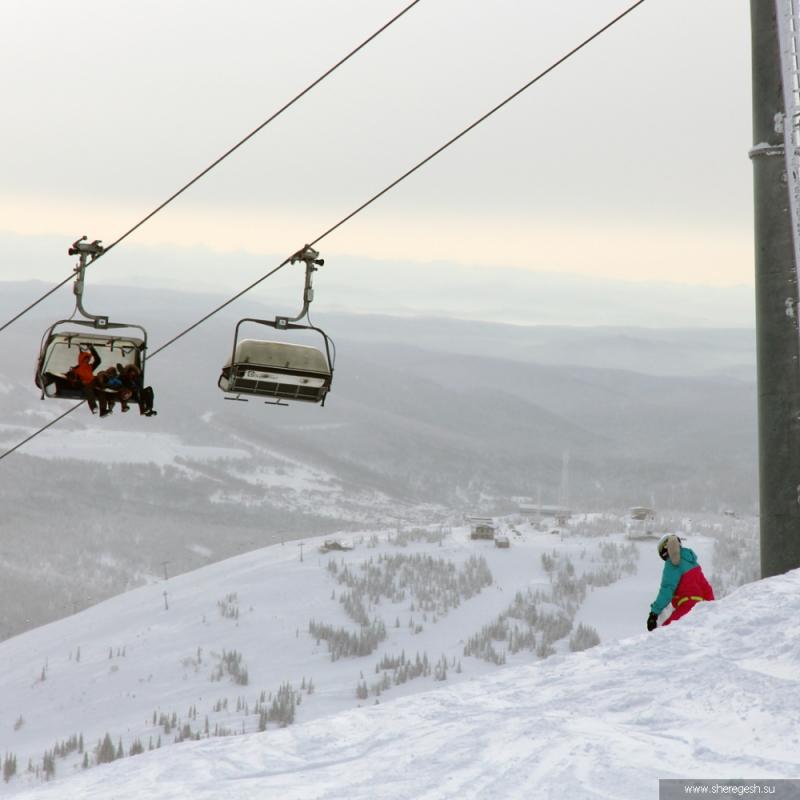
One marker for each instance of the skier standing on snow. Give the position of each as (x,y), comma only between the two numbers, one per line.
(682,582)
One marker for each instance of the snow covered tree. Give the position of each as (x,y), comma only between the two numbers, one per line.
(584,637)
(136,747)
(48,765)
(105,750)
(9,767)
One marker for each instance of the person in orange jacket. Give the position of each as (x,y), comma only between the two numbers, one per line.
(88,361)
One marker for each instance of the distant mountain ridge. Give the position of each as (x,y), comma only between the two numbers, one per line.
(436,289)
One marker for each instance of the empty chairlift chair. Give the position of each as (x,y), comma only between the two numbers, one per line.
(278,370)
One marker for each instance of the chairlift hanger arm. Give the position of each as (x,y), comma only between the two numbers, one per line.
(87,252)
(311,258)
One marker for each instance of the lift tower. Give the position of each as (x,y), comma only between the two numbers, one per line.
(776,135)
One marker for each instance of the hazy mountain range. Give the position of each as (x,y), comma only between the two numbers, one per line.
(441,289)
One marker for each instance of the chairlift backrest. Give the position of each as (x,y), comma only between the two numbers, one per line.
(285,354)
(281,370)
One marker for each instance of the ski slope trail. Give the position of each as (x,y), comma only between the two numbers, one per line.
(715,696)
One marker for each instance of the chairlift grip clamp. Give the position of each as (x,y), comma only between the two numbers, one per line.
(80,247)
(308,254)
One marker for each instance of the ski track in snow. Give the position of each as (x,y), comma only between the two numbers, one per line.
(714,696)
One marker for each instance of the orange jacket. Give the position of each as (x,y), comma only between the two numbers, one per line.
(85,368)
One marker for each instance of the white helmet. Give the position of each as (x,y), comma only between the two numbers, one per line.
(669,547)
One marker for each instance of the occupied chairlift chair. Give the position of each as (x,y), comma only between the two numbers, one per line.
(281,370)
(59,349)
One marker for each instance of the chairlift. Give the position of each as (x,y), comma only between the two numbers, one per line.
(59,349)
(278,370)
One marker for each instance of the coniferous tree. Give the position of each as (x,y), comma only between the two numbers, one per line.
(105,750)
(585,636)
(136,747)
(48,765)
(9,767)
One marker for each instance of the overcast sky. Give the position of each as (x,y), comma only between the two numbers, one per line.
(630,161)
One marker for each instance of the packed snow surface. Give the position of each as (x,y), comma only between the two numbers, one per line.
(714,696)
(114,446)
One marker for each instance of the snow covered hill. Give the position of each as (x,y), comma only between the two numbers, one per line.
(289,633)
(714,696)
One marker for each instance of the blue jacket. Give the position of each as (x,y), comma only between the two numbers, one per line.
(670,578)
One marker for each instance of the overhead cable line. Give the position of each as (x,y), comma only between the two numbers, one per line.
(42,429)
(481,119)
(413,169)
(211,166)
(383,191)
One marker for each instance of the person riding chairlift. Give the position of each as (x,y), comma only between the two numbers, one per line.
(682,582)
(132,388)
(83,374)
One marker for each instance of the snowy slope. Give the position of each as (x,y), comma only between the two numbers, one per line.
(716,696)
(109,668)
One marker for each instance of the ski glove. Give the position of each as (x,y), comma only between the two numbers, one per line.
(652,621)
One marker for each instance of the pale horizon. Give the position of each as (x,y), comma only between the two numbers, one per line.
(600,170)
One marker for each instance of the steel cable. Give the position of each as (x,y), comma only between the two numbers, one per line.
(379,194)
(211,166)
